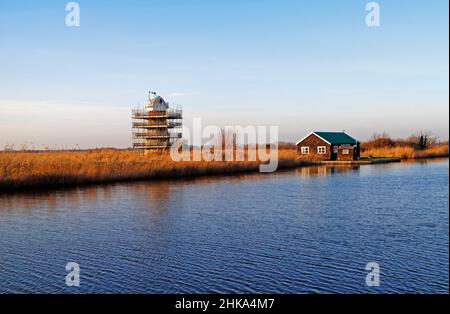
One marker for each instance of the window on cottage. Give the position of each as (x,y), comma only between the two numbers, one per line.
(335,149)
(345,152)
(305,150)
(321,149)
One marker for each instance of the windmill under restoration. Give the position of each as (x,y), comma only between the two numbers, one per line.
(157,125)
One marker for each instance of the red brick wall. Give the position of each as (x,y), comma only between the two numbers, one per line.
(313,142)
(349,156)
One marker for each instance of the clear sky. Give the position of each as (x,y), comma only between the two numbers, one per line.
(302,65)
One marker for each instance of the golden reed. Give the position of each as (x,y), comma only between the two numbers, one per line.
(407,152)
(65,168)
(22,169)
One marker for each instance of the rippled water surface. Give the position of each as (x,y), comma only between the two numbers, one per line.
(307,230)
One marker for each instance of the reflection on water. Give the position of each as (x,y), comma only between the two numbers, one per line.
(320,171)
(312,229)
(156,196)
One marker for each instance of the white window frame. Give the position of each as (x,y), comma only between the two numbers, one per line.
(305,150)
(345,151)
(321,150)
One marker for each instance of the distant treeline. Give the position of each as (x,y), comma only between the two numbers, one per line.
(422,144)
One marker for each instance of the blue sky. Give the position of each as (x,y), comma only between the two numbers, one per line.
(301,65)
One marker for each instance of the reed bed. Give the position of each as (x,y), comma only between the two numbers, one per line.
(19,170)
(407,152)
(26,169)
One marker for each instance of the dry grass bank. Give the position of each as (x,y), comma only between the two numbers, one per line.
(19,170)
(406,152)
(49,169)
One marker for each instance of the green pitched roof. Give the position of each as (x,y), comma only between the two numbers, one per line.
(336,137)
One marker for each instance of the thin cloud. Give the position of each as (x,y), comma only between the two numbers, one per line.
(178,94)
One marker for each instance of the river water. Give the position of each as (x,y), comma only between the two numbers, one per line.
(307,230)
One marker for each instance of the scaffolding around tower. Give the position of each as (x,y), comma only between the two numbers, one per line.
(157,125)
